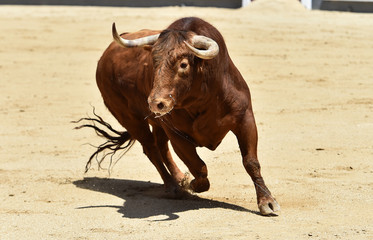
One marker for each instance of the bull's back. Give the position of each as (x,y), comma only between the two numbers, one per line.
(123,77)
(120,66)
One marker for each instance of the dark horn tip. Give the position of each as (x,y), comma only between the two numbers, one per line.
(114,30)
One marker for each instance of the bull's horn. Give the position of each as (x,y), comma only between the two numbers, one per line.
(149,40)
(201,42)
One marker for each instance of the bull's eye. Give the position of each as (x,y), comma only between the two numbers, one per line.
(183,65)
(183,70)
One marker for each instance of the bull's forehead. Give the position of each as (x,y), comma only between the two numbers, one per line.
(173,37)
(170,47)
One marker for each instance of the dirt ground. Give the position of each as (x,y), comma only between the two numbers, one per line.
(311,78)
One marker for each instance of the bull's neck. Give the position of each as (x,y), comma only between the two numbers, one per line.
(204,96)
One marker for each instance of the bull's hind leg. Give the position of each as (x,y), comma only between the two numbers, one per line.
(162,143)
(247,136)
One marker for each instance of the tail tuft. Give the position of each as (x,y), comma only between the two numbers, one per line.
(115,140)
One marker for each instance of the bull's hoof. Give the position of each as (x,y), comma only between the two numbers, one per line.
(196,185)
(269,207)
(199,185)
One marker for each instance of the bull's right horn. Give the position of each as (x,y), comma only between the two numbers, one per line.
(149,40)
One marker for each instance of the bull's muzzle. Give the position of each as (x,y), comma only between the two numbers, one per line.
(161,105)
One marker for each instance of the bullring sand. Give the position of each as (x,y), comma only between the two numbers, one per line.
(311,78)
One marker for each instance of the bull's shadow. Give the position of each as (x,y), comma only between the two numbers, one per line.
(146,199)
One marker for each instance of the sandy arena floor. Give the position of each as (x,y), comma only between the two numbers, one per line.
(311,78)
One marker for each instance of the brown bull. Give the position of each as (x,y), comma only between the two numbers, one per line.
(183,83)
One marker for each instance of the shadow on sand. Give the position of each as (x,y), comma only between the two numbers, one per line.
(146,199)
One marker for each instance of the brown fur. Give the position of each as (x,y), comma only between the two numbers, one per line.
(201,101)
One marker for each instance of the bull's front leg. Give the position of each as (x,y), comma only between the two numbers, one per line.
(247,137)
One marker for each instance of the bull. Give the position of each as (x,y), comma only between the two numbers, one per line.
(182,82)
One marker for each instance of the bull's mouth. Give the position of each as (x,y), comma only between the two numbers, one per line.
(158,115)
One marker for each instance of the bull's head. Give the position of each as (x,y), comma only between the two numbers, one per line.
(173,55)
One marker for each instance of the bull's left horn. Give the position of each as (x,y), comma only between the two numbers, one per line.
(149,40)
(211,48)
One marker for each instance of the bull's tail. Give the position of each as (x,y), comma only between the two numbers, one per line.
(115,140)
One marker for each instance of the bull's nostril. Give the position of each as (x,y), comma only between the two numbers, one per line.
(160,105)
